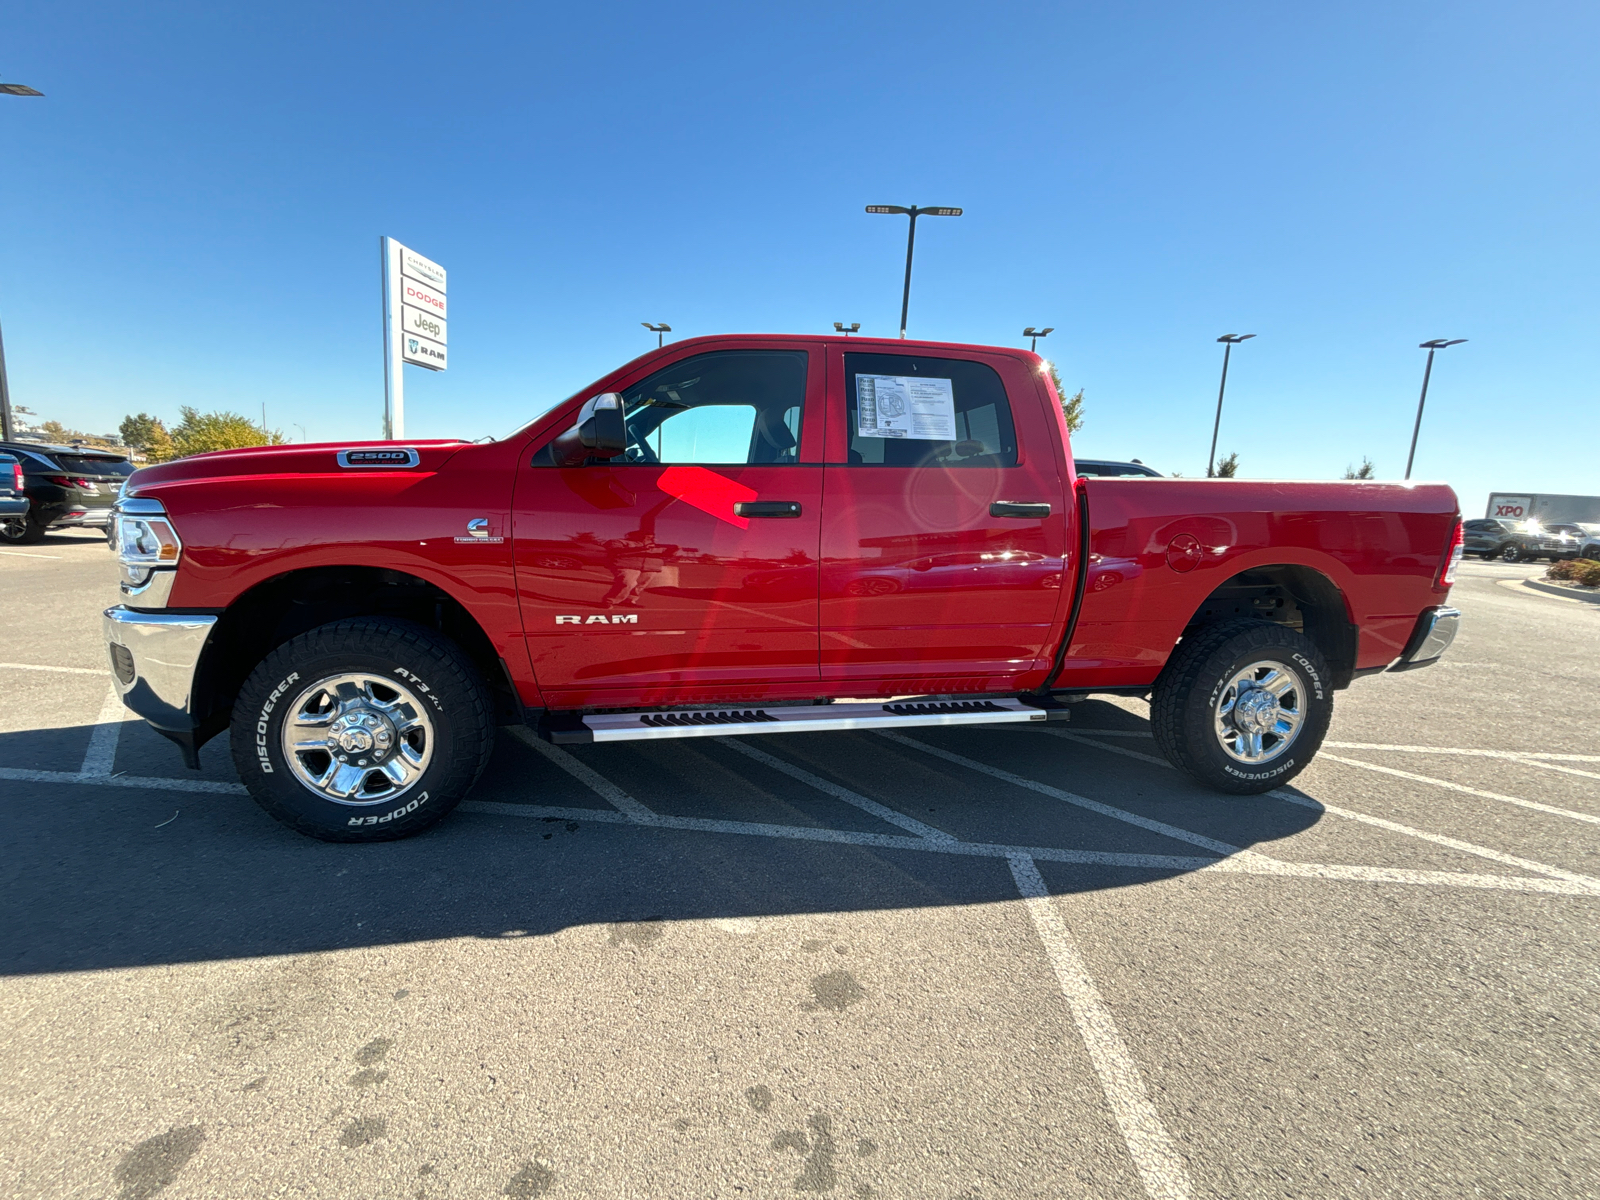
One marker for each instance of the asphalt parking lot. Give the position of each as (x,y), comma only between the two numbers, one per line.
(950,964)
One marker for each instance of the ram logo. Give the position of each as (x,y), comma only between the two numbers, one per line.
(600,619)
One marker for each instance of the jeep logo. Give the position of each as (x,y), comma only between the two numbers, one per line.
(600,619)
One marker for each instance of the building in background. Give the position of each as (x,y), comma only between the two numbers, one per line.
(1545,509)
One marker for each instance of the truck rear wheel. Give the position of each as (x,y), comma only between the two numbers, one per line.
(1242,706)
(364,730)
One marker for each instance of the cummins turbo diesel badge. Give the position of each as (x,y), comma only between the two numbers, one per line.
(379,457)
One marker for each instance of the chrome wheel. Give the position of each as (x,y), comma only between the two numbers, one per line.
(1260,711)
(358,739)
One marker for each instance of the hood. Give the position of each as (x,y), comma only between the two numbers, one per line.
(317,458)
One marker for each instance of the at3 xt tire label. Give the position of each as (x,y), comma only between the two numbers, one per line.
(262,760)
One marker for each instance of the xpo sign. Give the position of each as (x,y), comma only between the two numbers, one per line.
(415,325)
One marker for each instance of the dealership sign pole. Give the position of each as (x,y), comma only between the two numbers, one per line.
(415,329)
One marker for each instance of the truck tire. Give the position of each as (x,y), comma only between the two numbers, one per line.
(363,730)
(1242,706)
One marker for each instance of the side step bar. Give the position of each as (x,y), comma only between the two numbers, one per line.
(565,729)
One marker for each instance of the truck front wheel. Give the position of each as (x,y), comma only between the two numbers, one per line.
(364,730)
(1242,706)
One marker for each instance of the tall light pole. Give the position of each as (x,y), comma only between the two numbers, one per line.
(911,240)
(1432,347)
(1036,334)
(1229,341)
(6,429)
(847,330)
(658,330)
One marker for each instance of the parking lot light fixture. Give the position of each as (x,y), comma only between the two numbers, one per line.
(1432,347)
(658,330)
(6,424)
(1229,341)
(847,330)
(1036,334)
(911,240)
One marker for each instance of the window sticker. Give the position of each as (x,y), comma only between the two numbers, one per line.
(905,406)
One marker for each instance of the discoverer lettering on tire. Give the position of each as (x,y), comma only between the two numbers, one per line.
(1241,706)
(364,729)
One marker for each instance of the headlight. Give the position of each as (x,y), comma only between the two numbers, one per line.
(142,542)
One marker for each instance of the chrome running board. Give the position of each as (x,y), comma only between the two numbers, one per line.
(565,729)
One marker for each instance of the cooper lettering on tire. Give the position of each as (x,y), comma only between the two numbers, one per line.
(1241,706)
(366,729)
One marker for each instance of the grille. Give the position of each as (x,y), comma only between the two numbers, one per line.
(122,663)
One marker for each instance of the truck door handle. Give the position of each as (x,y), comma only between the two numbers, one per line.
(767,508)
(1014,508)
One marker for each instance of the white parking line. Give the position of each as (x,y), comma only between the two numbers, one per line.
(1586,881)
(1250,864)
(29,554)
(144,782)
(1511,860)
(846,837)
(593,780)
(1246,864)
(1044,789)
(1550,766)
(1470,791)
(1079,738)
(58,670)
(102,753)
(882,811)
(1472,753)
(1160,1167)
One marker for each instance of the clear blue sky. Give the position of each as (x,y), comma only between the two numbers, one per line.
(191,214)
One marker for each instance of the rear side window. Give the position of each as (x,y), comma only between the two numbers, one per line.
(1481,527)
(905,411)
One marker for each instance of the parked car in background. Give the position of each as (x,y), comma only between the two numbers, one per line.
(1572,538)
(13,504)
(67,486)
(1513,541)
(1098,468)
(1589,547)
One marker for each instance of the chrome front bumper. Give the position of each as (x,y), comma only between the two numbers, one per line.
(88,518)
(153,660)
(1436,629)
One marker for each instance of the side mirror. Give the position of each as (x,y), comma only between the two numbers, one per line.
(598,433)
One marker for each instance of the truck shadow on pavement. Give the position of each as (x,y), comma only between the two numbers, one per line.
(101,876)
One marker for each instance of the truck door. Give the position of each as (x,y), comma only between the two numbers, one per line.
(945,524)
(686,570)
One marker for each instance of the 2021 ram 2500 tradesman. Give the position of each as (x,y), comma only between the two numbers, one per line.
(732,535)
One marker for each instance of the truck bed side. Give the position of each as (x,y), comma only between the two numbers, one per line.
(1169,553)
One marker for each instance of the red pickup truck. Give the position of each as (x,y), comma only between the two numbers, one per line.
(741,535)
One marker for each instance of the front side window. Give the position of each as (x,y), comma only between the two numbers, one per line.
(730,406)
(905,411)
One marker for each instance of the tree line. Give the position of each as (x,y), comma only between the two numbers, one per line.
(195,433)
